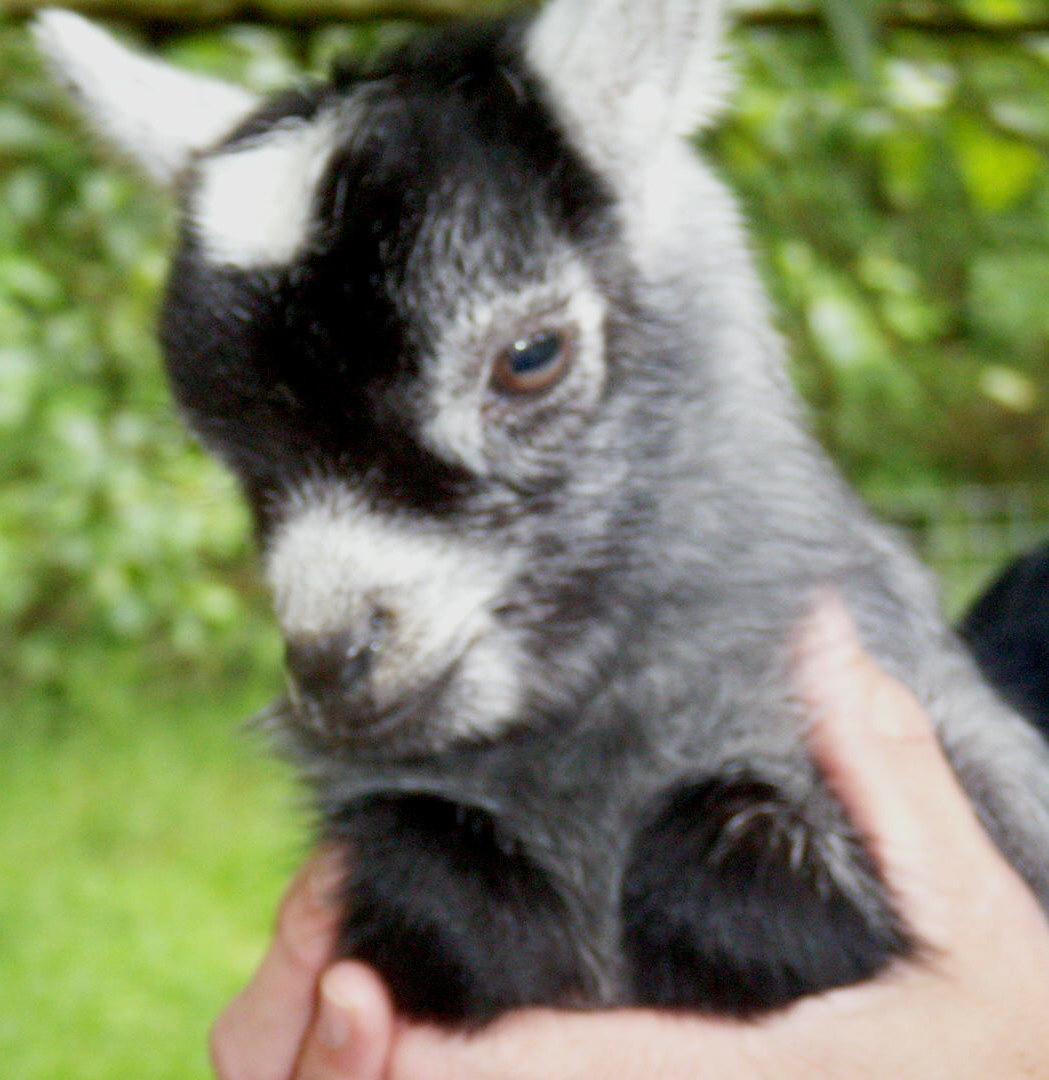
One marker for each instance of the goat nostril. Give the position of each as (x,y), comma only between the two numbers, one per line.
(329,668)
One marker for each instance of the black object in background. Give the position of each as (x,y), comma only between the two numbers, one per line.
(1007,630)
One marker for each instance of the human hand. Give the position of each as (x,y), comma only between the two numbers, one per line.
(972,1004)
(294,1021)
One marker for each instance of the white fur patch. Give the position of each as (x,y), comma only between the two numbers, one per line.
(253,206)
(154,113)
(334,563)
(628,74)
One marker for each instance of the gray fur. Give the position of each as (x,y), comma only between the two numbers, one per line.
(695,501)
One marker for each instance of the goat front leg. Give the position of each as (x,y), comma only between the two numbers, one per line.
(452,912)
(734,903)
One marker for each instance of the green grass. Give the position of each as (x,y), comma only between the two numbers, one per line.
(145,838)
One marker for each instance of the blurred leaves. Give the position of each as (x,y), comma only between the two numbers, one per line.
(853,24)
(905,229)
(998,170)
(898,181)
(110,523)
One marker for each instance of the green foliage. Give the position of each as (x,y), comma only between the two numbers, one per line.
(852,24)
(905,228)
(109,523)
(902,217)
(903,220)
(112,524)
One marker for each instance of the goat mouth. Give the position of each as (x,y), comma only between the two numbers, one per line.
(354,721)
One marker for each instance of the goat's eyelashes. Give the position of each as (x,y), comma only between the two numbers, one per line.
(533,364)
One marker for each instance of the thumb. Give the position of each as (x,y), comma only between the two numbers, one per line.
(352,1031)
(878,748)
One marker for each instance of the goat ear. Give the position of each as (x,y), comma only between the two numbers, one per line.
(145,108)
(630,73)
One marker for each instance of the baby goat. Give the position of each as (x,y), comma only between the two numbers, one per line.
(480,336)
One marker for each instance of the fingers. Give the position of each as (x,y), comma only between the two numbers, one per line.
(880,752)
(542,1044)
(351,1037)
(259,1035)
(538,1044)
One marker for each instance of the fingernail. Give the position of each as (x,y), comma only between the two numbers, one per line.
(340,1006)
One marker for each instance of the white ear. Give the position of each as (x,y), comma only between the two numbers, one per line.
(629,74)
(156,114)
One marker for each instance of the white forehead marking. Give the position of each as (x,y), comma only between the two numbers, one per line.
(253,207)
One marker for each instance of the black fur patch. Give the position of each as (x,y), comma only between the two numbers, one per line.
(724,912)
(308,370)
(461,924)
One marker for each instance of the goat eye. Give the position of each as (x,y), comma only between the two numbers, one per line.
(531,365)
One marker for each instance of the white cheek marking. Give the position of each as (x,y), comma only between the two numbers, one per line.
(333,563)
(253,207)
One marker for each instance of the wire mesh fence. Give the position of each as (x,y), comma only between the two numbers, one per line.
(967,534)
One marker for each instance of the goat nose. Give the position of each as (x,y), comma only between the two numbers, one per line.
(329,669)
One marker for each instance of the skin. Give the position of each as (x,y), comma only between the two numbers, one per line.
(971,1005)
